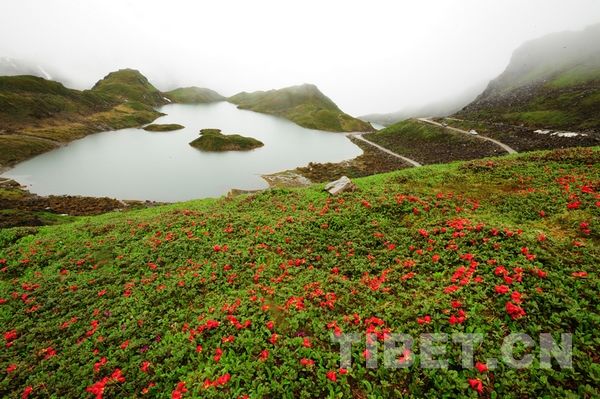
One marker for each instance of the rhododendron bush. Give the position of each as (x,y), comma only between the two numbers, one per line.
(240,298)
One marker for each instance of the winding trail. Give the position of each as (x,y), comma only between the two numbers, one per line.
(498,143)
(407,160)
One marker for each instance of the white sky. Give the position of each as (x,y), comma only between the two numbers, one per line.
(368,56)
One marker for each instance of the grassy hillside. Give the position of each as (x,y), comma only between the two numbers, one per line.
(551,82)
(304,105)
(37,115)
(429,144)
(129,85)
(232,297)
(214,140)
(193,95)
(29,99)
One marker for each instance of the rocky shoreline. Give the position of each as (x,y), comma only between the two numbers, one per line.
(19,207)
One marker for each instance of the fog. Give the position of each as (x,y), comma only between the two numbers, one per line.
(375,56)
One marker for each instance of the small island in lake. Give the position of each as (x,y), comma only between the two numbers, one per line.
(214,140)
(169,127)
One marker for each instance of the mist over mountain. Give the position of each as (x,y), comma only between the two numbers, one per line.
(444,107)
(553,81)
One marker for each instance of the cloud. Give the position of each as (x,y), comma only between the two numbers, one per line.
(375,56)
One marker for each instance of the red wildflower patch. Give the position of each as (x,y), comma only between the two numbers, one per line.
(179,390)
(515,311)
(331,376)
(476,385)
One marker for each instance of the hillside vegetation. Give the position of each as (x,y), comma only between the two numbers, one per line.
(304,105)
(193,95)
(428,144)
(129,85)
(551,82)
(37,115)
(214,140)
(232,297)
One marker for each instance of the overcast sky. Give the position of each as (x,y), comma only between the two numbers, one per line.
(368,56)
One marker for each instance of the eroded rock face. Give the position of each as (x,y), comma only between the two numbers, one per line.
(341,185)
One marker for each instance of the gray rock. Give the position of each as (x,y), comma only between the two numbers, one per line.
(339,186)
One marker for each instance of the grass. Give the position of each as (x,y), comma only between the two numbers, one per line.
(130,85)
(231,297)
(16,148)
(540,118)
(428,144)
(169,127)
(304,105)
(214,140)
(193,95)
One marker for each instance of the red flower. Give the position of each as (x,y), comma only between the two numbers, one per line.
(11,367)
(482,368)
(125,344)
(117,375)
(264,355)
(218,354)
(579,274)
(366,203)
(99,364)
(10,335)
(424,320)
(224,379)
(502,289)
(180,389)
(307,362)
(306,343)
(476,385)
(456,304)
(516,297)
(515,311)
(331,375)
(270,324)
(274,338)
(145,366)
(26,392)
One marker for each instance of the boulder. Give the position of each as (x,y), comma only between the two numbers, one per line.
(341,185)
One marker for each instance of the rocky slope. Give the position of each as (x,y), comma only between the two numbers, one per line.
(551,82)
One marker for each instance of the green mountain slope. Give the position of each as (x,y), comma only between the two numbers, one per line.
(26,99)
(129,85)
(225,298)
(304,105)
(37,115)
(551,82)
(193,95)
